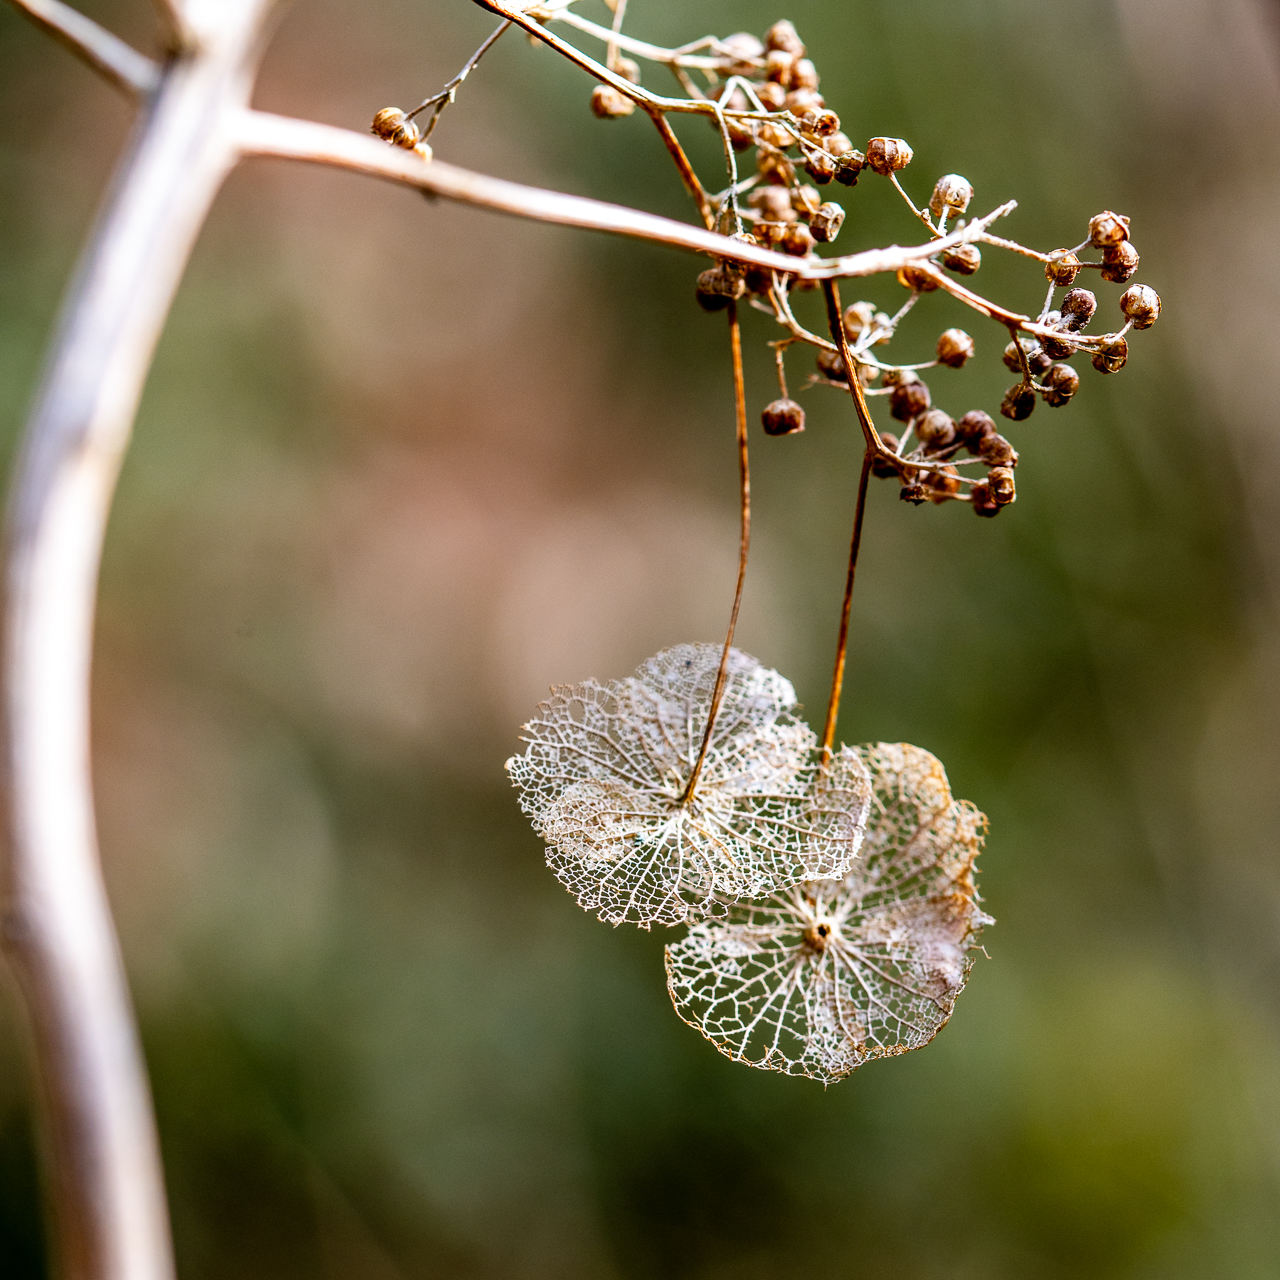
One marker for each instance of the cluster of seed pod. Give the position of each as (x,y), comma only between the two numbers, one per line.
(393,126)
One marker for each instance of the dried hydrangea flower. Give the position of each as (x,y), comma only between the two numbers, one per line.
(604,776)
(819,979)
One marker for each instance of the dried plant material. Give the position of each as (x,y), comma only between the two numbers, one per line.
(604,776)
(819,979)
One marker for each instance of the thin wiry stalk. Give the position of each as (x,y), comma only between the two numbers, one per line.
(744,539)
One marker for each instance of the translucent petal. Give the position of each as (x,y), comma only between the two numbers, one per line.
(605,771)
(827,975)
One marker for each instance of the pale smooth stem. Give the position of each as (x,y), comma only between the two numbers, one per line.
(263,134)
(611,49)
(107,54)
(641,48)
(842,643)
(105,1182)
(744,541)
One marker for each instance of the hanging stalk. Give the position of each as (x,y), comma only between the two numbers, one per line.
(744,540)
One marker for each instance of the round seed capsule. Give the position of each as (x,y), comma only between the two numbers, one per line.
(1011,359)
(1019,402)
(772,203)
(802,102)
(826,223)
(887,155)
(782,418)
(963,259)
(914,493)
(804,75)
(783,35)
(773,134)
(858,317)
(848,165)
(1058,348)
(717,287)
(908,400)
(773,166)
(1061,382)
(996,451)
(954,348)
(1000,480)
(609,103)
(951,193)
(973,428)
(391,125)
(935,429)
(746,52)
(1119,262)
(820,166)
(805,200)
(778,65)
(1108,228)
(1112,356)
(797,240)
(942,484)
(983,502)
(918,278)
(1141,305)
(1078,308)
(1062,268)
(628,70)
(831,366)
(772,95)
(838,143)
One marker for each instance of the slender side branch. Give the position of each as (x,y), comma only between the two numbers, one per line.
(106,1182)
(744,539)
(107,54)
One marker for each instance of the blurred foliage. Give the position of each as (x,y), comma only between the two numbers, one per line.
(400,466)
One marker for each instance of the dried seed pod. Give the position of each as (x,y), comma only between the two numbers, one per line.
(1012,362)
(888,155)
(805,200)
(772,95)
(935,429)
(1038,361)
(804,75)
(772,203)
(1058,348)
(797,240)
(883,322)
(954,348)
(831,366)
(951,193)
(1078,308)
(1000,481)
(838,143)
(1141,305)
(782,418)
(996,451)
(391,125)
(881,467)
(1062,268)
(914,492)
(773,166)
(858,317)
(717,287)
(783,35)
(919,278)
(609,103)
(848,165)
(1119,262)
(943,484)
(826,223)
(974,427)
(963,259)
(822,123)
(820,166)
(908,400)
(983,502)
(778,65)
(746,51)
(758,280)
(803,102)
(773,134)
(1111,357)
(770,234)
(628,69)
(1108,228)
(1061,382)
(1019,402)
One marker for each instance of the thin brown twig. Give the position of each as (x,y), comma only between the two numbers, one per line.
(744,541)
(687,175)
(446,95)
(105,52)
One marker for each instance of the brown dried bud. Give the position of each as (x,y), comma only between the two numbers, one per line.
(797,240)
(838,143)
(1011,358)
(758,280)
(858,317)
(746,50)
(831,366)
(1141,305)
(943,484)
(1038,361)
(782,418)
(908,400)
(1112,356)
(826,223)
(1062,268)
(627,69)
(783,35)
(778,66)
(848,165)
(803,102)
(1119,262)
(1061,383)
(772,95)
(881,467)
(952,193)
(804,75)
(1108,228)
(913,493)
(770,234)
(1000,481)
(806,200)
(954,348)
(916,277)
(773,166)
(391,125)
(772,203)
(963,259)
(1019,402)
(822,122)
(996,451)
(1078,308)
(609,103)
(935,430)
(773,134)
(983,503)
(820,166)
(973,428)
(1058,348)
(717,287)
(887,155)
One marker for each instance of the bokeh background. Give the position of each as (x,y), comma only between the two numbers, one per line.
(401,466)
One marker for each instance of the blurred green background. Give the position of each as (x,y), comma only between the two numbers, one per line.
(401,466)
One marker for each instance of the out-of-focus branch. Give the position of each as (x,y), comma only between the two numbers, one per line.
(179,33)
(106,1184)
(263,134)
(106,53)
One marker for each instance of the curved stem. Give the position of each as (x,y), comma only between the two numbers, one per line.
(744,541)
(107,1185)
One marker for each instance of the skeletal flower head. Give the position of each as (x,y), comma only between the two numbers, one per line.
(606,770)
(827,975)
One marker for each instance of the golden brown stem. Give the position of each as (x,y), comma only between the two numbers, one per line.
(687,174)
(744,543)
(831,292)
